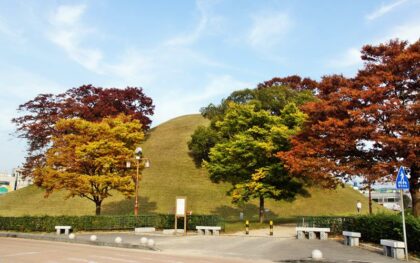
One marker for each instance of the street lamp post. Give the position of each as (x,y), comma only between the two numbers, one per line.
(138,154)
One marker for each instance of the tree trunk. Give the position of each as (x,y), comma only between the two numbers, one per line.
(415,190)
(261,209)
(415,195)
(98,208)
(370,198)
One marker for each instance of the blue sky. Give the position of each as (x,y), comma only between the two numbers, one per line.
(185,54)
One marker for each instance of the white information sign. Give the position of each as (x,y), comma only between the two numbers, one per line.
(180,206)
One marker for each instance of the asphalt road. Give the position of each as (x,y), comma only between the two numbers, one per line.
(259,247)
(15,250)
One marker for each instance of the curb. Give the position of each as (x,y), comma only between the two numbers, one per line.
(76,241)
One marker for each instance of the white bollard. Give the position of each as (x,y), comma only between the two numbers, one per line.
(316,254)
(93,238)
(150,243)
(118,240)
(72,236)
(143,241)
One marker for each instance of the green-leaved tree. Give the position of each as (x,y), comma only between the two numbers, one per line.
(245,157)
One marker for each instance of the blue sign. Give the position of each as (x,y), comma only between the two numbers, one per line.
(402,179)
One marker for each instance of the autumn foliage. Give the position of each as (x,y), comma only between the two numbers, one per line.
(367,125)
(37,124)
(88,159)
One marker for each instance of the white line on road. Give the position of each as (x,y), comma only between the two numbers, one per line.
(116,259)
(80,260)
(21,254)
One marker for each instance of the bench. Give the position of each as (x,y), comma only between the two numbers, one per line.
(312,232)
(144,230)
(172,231)
(208,230)
(393,248)
(351,238)
(65,228)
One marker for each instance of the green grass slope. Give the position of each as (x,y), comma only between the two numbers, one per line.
(173,173)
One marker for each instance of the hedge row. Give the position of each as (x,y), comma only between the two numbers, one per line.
(334,223)
(88,223)
(372,227)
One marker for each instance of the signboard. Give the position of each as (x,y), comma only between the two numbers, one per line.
(402,180)
(180,206)
(181,211)
(402,184)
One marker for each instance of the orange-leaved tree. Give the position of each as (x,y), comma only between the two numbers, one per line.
(88,159)
(368,125)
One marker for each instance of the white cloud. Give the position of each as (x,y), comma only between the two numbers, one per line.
(164,70)
(409,31)
(68,33)
(220,85)
(135,67)
(351,58)
(178,103)
(150,66)
(206,23)
(68,15)
(384,9)
(269,28)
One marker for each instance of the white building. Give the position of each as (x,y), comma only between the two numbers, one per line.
(9,183)
(384,194)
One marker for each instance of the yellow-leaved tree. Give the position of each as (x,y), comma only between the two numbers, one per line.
(88,159)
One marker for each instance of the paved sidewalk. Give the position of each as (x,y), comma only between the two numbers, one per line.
(285,231)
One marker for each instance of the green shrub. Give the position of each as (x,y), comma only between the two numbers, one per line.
(376,227)
(88,223)
(373,228)
(334,223)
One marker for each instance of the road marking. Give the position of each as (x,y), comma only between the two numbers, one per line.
(80,260)
(116,259)
(21,254)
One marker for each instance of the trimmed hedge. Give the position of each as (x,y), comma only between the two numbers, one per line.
(334,223)
(372,227)
(88,223)
(376,227)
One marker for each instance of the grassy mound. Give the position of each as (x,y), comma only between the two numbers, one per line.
(173,173)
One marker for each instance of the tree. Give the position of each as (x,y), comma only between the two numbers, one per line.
(203,139)
(88,159)
(331,148)
(365,126)
(293,82)
(245,158)
(272,99)
(86,102)
(390,84)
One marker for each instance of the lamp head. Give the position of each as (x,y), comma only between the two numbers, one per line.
(138,151)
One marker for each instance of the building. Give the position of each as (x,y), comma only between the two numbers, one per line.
(384,194)
(387,197)
(15,181)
